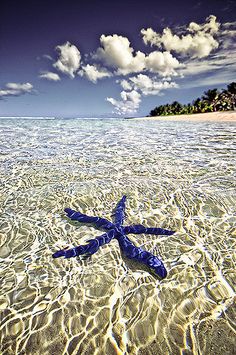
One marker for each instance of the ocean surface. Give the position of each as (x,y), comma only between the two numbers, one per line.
(176,175)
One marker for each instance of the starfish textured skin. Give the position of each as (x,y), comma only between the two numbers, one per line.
(117,231)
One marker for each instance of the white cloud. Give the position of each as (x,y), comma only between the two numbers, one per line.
(150,36)
(194,44)
(228,35)
(218,67)
(211,26)
(50,76)
(150,86)
(16,89)
(216,70)
(47,56)
(27,87)
(162,63)
(129,103)
(200,42)
(224,60)
(219,78)
(115,51)
(125,84)
(197,67)
(93,72)
(138,85)
(69,59)
(229,24)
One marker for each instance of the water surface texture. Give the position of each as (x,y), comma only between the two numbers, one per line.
(176,175)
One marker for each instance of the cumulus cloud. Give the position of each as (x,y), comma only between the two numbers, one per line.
(192,45)
(138,85)
(128,104)
(149,86)
(50,76)
(125,84)
(93,72)
(16,89)
(162,63)
(115,51)
(217,67)
(210,26)
(198,43)
(69,59)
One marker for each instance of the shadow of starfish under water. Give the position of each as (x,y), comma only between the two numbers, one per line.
(117,231)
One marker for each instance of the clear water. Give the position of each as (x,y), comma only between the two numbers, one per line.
(176,175)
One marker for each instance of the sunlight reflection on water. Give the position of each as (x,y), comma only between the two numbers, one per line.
(177,175)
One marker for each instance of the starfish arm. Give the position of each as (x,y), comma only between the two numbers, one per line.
(139,229)
(120,211)
(80,217)
(90,248)
(142,256)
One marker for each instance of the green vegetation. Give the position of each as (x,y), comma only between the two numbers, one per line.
(212,101)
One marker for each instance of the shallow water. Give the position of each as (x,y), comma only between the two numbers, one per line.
(176,175)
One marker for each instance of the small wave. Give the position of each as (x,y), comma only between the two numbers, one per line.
(29,117)
(58,118)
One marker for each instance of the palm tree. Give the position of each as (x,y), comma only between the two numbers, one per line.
(232,88)
(225,103)
(197,105)
(176,107)
(211,98)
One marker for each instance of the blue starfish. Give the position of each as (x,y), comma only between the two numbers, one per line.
(117,231)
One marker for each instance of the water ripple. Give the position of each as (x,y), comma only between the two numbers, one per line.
(177,175)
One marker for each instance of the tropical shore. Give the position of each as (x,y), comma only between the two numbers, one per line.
(223,116)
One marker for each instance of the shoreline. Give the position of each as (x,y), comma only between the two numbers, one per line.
(221,116)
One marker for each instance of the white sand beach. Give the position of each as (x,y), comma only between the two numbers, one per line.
(227,116)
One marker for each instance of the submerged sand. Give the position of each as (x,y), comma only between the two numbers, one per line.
(229,116)
(179,176)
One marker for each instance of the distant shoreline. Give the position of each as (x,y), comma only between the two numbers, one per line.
(221,116)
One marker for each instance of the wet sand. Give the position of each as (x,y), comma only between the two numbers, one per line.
(229,116)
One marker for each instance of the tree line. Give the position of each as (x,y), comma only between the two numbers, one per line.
(211,101)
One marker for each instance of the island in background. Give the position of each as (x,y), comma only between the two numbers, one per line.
(211,101)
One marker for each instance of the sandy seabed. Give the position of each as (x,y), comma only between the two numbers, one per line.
(228,116)
(176,175)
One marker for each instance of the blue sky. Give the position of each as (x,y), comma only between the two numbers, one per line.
(106,59)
